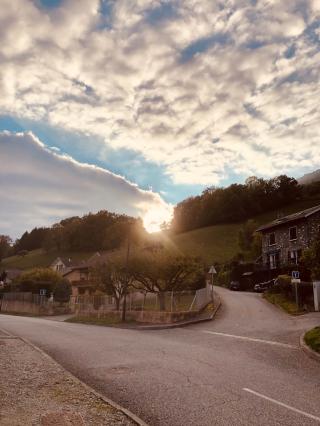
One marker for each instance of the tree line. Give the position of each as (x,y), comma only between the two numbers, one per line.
(239,202)
(100,231)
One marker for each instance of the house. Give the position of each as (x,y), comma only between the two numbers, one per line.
(60,264)
(284,239)
(79,275)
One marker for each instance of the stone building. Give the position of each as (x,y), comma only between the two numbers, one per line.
(284,239)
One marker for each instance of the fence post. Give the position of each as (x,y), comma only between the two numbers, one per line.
(194,299)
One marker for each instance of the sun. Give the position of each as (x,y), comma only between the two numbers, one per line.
(154,218)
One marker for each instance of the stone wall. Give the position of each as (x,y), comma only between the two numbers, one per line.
(30,308)
(151,317)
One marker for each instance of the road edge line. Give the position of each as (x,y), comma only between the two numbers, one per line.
(307,350)
(109,401)
(282,404)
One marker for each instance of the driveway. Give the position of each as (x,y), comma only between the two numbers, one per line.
(243,368)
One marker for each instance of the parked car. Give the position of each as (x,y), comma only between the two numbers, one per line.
(261,287)
(234,285)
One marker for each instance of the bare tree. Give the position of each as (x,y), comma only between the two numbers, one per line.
(161,272)
(112,278)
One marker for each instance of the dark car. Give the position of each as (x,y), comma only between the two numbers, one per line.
(234,285)
(261,287)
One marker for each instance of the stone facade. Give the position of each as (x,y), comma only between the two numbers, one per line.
(283,244)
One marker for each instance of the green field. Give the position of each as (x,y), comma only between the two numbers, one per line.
(218,243)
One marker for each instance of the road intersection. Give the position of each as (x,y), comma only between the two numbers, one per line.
(243,368)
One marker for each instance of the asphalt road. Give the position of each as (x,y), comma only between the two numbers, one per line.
(243,368)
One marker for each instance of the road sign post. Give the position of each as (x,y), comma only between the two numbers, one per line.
(212,272)
(295,280)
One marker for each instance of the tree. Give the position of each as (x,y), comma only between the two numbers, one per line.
(38,278)
(62,291)
(311,259)
(159,272)
(5,246)
(112,278)
(246,234)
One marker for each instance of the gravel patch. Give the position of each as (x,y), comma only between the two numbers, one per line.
(35,391)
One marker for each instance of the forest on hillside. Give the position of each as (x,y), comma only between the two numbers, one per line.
(239,202)
(107,231)
(100,231)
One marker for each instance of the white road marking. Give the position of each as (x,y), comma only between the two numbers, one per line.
(251,339)
(296,410)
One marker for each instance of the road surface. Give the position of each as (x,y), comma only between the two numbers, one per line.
(243,368)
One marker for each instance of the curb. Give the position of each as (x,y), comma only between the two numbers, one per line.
(183,324)
(113,404)
(307,350)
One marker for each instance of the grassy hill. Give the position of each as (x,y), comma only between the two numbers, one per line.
(216,243)
(219,243)
(39,258)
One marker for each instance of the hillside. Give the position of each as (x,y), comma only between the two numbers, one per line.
(310,178)
(218,243)
(39,258)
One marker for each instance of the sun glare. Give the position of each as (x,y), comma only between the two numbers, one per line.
(154,218)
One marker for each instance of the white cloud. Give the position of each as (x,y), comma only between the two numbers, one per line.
(242,102)
(39,187)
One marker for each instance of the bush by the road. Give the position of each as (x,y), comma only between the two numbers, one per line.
(312,339)
(36,279)
(281,301)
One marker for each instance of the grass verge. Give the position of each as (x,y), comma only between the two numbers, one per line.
(106,321)
(312,339)
(285,304)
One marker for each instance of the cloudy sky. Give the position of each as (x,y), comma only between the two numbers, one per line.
(132,105)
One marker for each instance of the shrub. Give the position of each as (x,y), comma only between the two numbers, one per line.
(36,279)
(224,278)
(312,339)
(284,285)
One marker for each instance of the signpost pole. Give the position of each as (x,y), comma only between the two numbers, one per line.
(296,280)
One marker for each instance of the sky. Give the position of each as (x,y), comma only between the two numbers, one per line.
(134,105)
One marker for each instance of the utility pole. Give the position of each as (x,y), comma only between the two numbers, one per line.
(124,305)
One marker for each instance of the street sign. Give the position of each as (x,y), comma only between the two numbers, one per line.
(295,281)
(295,275)
(212,270)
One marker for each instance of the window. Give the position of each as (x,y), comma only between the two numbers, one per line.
(273,260)
(293,233)
(294,256)
(272,239)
